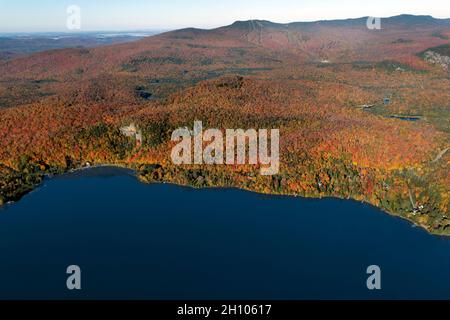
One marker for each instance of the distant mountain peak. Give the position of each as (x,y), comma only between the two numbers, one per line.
(413,17)
(254,24)
(410,18)
(401,19)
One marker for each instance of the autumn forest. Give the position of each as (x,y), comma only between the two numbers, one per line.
(363,114)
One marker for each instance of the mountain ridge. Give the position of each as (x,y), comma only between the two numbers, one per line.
(361,21)
(404,18)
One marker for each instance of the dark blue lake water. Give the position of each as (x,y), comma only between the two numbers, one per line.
(405,118)
(159,241)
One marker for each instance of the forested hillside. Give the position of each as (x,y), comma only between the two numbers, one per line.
(363,114)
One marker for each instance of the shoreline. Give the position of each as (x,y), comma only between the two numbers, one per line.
(414,224)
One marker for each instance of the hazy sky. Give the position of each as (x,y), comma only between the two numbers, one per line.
(51,15)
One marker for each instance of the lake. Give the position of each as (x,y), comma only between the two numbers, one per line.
(160,241)
(406,118)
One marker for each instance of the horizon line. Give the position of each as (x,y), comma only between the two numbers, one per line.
(168,29)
